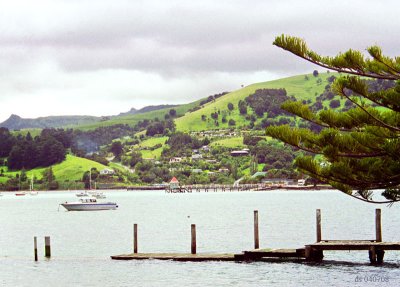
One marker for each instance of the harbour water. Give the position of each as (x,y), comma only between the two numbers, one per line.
(82,242)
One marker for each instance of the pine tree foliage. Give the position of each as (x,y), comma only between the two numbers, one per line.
(359,149)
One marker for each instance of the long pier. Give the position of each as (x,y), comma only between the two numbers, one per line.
(239,187)
(312,252)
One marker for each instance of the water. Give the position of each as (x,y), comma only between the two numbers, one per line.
(82,242)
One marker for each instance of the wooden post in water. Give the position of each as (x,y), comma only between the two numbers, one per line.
(319,234)
(47,248)
(35,248)
(256,235)
(135,238)
(378,225)
(193,247)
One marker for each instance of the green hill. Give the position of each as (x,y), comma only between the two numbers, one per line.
(71,169)
(298,86)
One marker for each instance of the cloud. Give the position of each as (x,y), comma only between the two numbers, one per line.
(131,51)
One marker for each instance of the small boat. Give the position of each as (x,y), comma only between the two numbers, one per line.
(89,204)
(20,193)
(33,192)
(97,194)
(82,194)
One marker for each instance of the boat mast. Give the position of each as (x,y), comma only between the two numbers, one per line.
(90,179)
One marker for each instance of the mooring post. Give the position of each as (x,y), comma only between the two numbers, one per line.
(318,217)
(378,225)
(193,228)
(256,234)
(135,238)
(35,248)
(47,248)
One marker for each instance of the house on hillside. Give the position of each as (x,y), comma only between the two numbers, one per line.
(107,171)
(205,148)
(175,160)
(197,156)
(242,152)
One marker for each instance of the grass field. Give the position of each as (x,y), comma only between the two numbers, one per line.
(151,142)
(234,142)
(297,86)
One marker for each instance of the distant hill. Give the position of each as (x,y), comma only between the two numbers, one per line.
(146,109)
(15,122)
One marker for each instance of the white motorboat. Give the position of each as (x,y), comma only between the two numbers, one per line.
(89,204)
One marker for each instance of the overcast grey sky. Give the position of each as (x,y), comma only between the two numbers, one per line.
(104,57)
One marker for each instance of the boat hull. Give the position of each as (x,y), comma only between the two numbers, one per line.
(89,206)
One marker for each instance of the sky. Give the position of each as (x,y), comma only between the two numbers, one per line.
(83,57)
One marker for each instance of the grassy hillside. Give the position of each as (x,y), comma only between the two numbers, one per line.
(72,168)
(297,86)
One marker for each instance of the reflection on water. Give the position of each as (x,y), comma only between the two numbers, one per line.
(83,241)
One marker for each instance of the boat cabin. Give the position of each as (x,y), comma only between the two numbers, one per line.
(88,200)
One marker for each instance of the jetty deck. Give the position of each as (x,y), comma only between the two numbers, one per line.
(186,257)
(354,245)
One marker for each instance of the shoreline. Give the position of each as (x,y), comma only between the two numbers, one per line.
(194,189)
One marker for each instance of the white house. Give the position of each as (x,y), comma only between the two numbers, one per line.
(107,171)
(196,156)
(175,159)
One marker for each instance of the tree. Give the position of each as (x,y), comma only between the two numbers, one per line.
(49,179)
(6,142)
(230,106)
(172,113)
(359,147)
(334,104)
(136,157)
(242,107)
(117,149)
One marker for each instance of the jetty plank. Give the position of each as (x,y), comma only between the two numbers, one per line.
(354,245)
(274,253)
(177,256)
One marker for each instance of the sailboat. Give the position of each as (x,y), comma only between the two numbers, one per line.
(31,190)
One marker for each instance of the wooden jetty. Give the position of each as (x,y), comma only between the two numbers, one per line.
(186,257)
(309,253)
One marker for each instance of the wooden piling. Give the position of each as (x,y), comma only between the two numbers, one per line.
(135,238)
(47,248)
(256,234)
(193,245)
(378,225)
(35,248)
(318,218)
